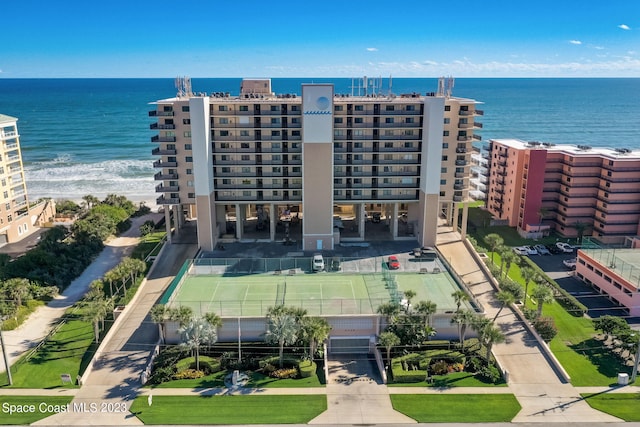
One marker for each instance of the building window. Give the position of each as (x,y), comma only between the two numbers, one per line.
(447,120)
(223,121)
(275,108)
(337,108)
(243,108)
(445,145)
(275,120)
(338,132)
(295,108)
(296,169)
(443,170)
(245,158)
(337,120)
(188,159)
(295,133)
(224,133)
(408,132)
(337,145)
(185,108)
(445,133)
(389,119)
(445,158)
(443,193)
(190,171)
(187,134)
(358,132)
(246,170)
(443,182)
(388,132)
(359,107)
(275,145)
(276,169)
(244,145)
(186,121)
(447,108)
(244,133)
(225,145)
(295,120)
(276,157)
(223,108)
(275,133)
(358,120)
(226,181)
(187,146)
(191,195)
(357,145)
(246,193)
(409,120)
(389,108)
(411,108)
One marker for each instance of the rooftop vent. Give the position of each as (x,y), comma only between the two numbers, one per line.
(584,147)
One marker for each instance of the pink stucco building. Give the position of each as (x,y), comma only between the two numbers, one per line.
(537,187)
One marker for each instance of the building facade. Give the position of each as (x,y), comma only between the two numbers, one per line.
(257,163)
(17,217)
(573,190)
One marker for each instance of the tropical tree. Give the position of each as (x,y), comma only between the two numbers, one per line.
(528,275)
(315,330)
(610,325)
(489,336)
(90,201)
(283,330)
(388,340)
(196,333)
(581,228)
(509,258)
(96,308)
(183,315)
(464,319)
(18,289)
(159,314)
(506,298)
(391,310)
(409,294)
(426,309)
(459,297)
(493,240)
(543,294)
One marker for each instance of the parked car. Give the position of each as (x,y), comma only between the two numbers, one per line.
(531,250)
(565,247)
(393,263)
(570,263)
(554,249)
(542,250)
(318,262)
(520,250)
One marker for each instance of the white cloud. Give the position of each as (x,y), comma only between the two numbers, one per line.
(372,49)
(624,27)
(575,42)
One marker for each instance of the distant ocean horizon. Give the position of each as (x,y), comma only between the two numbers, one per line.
(92,136)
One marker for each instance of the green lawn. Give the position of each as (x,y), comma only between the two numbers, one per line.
(64,353)
(622,405)
(455,379)
(257,380)
(457,408)
(173,410)
(37,407)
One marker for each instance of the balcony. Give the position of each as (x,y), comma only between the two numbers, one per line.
(167,188)
(13,159)
(478,125)
(155,113)
(170,201)
(158,152)
(458,186)
(158,138)
(161,164)
(11,146)
(7,135)
(165,176)
(156,126)
(457,198)
(461,150)
(464,138)
(461,163)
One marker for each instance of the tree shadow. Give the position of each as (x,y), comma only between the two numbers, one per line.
(607,363)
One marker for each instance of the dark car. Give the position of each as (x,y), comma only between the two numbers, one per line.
(553,249)
(393,263)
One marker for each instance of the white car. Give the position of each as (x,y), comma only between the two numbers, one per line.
(542,250)
(520,250)
(564,247)
(318,262)
(531,250)
(570,263)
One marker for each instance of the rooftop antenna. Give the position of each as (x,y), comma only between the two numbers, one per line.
(449,86)
(183,84)
(440,86)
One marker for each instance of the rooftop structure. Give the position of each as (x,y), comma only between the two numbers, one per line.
(251,165)
(540,187)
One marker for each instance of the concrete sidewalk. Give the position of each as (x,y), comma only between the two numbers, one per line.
(40,322)
(541,392)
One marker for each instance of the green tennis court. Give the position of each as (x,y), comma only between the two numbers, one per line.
(319,294)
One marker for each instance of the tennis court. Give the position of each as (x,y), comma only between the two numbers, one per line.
(320,294)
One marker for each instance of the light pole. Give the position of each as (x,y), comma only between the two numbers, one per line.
(4,354)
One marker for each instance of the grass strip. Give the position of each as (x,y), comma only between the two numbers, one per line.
(176,410)
(454,379)
(621,405)
(457,408)
(256,380)
(24,410)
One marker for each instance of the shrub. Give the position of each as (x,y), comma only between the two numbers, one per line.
(474,364)
(456,367)
(208,365)
(307,368)
(283,373)
(546,328)
(188,374)
(439,367)
(489,374)
(163,374)
(530,314)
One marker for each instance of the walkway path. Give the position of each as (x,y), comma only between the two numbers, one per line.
(40,322)
(544,397)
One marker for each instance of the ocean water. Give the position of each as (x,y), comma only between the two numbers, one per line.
(92,136)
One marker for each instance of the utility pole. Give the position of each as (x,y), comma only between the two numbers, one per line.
(6,358)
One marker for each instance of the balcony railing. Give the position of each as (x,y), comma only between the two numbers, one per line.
(9,147)
(165,176)
(157,126)
(166,152)
(161,164)
(167,188)
(158,138)
(156,113)
(168,201)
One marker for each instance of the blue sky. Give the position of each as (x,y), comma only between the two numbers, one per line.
(416,38)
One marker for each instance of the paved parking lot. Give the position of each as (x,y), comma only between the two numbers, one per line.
(597,304)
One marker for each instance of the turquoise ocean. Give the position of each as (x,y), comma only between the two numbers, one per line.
(92,136)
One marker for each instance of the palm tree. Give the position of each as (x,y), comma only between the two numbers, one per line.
(196,333)
(528,274)
(493,240)
(580,227)
(409,294)
(159,314)
(388,340)
(506,298)
(463,318)
(543,294)
(491,335)
(96,310)
(426,309)
(459,297)
(508,258)
(90,201)
(315,330)
(390,310)
(282,330)
(183,315)
(18,289)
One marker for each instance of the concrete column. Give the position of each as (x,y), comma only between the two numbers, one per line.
(167,223)
(177,218)
(239,221)
(273,215)
(363,220)
(395,221)
(456,213)
(465,214)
